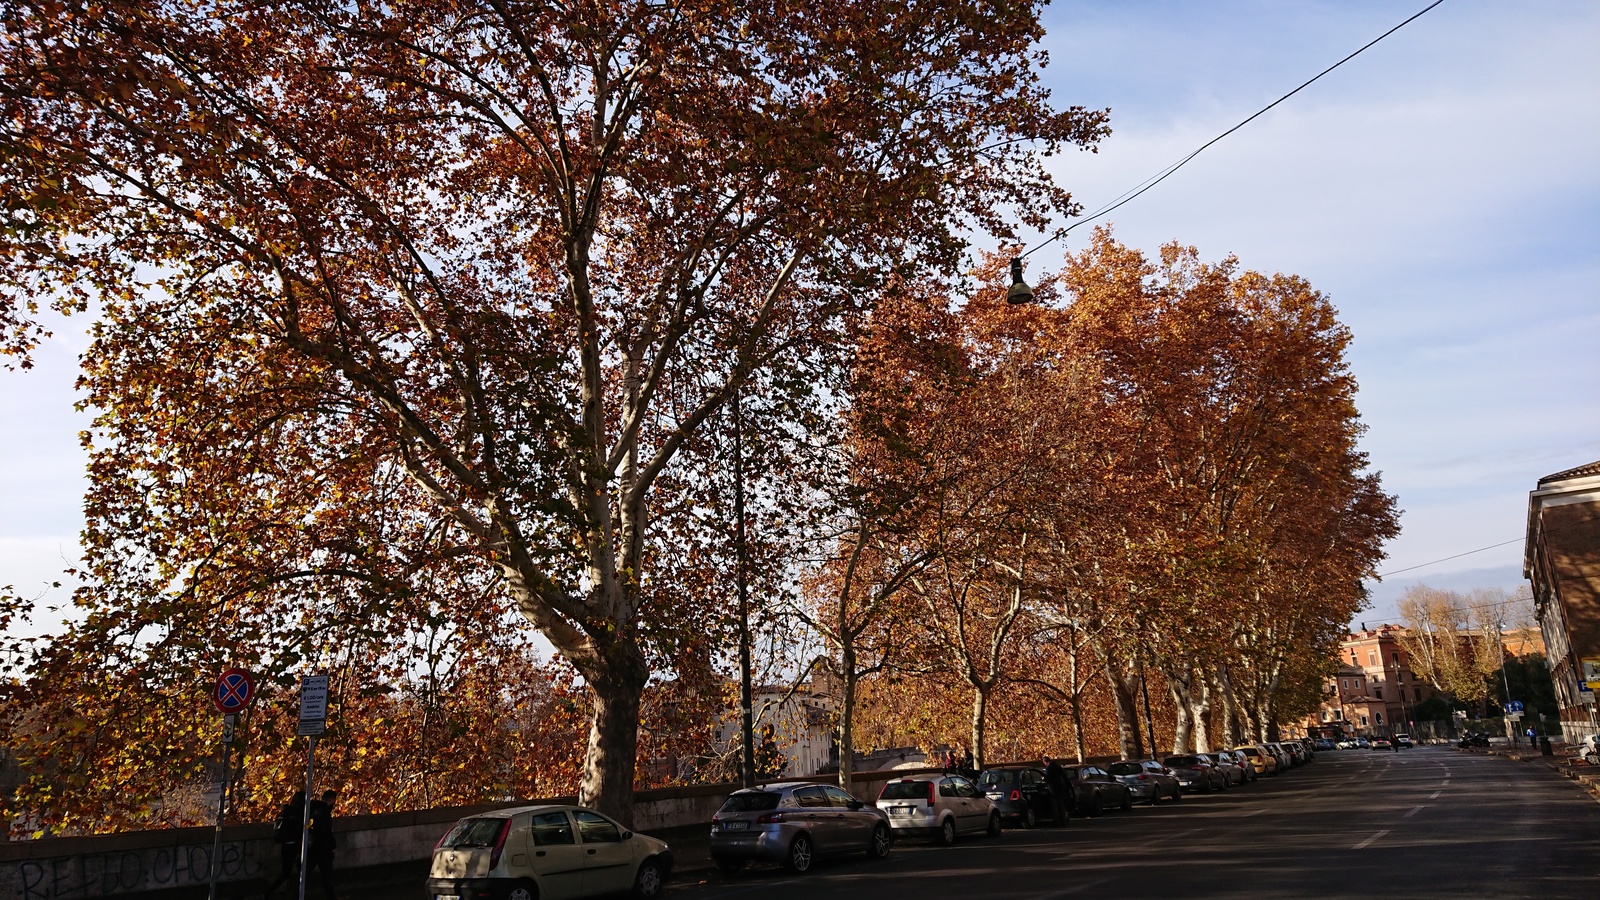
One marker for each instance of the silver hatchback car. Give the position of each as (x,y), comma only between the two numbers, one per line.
(938,806)
(793,823)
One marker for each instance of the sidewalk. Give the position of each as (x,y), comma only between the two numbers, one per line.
(1564,760)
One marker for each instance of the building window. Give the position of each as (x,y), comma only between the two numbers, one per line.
(1363,720)
(1372,657)
(1380,717)
(1378,693)
(1395,655)
(1338,715)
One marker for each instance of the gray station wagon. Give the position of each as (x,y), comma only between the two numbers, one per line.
(793,824)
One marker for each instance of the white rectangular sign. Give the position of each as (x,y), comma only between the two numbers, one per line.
(313,704)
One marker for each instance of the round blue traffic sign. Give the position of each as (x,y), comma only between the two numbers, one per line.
(233,691)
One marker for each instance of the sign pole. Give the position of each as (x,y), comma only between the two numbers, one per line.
(313,722)
(232,693)
(222,803)
(305,814)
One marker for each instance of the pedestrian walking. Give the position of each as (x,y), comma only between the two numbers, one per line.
(320,859)
(969,766)
(286,832)
(1055,779)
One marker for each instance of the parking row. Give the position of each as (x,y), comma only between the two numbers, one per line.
(556,852)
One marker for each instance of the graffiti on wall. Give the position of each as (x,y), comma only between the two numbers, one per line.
(120,872)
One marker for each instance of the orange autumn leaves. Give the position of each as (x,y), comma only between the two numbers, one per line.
(1153,472)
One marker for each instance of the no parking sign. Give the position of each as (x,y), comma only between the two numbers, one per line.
(233,691)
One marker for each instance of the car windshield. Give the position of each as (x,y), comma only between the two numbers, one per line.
(751,801)
(1125,768)
(905,790)
(1182,761)
(474,833)
(997,777)
(1250,751)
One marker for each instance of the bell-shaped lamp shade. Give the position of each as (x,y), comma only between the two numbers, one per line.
(1019,292)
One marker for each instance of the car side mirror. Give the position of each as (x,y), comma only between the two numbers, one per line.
(855,805)
(627,835)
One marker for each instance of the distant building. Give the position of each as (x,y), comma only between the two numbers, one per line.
(1374,690)
(1561,558)
(801,720)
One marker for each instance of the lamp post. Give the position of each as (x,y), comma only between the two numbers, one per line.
(747,764)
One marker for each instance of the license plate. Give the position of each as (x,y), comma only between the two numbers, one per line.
(997,795)
(902,810)
(446,897)
(735,826)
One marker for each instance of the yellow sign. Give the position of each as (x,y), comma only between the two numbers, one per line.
(1591,672)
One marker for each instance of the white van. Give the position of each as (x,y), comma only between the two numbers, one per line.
(548,853)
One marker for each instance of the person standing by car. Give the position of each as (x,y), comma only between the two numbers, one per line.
(1055,778)
(286,833)
(969,766)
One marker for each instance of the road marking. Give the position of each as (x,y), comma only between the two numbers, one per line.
(1071,890)
(1445,783)
(1435,795)
(1368,842)
(1414,811)
(1253,812)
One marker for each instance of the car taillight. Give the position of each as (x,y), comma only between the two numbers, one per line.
(1144,777)
(930,793)
(1016,794)
(499,844)
(771,818)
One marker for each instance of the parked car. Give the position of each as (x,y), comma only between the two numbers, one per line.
(1147,780)
(1260,758)
(1230,770)
(794,823)
(1297,753)
(1363,743)
(1020,794)
(1589,750)
(1381,744)
(1245,766)
(942,807)
(1326,744)
(1094,790)
(1402,742)
(1280,754)
(1196,773)
(546,852)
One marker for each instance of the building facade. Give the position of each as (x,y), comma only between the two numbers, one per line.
(1561,558)
(1374,691)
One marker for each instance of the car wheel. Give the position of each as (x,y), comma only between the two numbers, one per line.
(1127,801)
(1030,819)
(649,881)
(994,825)
(728,866)
(947,832)
(522,890)
(1177,794)
(881,842)
(800,854)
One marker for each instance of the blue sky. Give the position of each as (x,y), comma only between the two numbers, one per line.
(1443,188)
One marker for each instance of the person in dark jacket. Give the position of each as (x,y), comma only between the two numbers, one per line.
(1055,778)
(286,833)
(320,859)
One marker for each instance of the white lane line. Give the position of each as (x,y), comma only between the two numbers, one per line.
(1253,812)
(1414,811)
(1445,783)
(1368,842)
(1435,795)
(1071,890)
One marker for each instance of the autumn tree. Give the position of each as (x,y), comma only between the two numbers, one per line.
(514,256)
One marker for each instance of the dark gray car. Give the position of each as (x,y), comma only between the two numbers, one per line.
(1147,779)
(793,824)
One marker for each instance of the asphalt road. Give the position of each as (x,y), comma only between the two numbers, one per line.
(1426,822)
